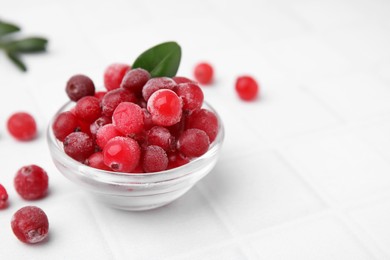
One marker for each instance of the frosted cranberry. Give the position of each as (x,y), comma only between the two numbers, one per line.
(191,94)
(193,143)
(180,80)
(114,74)
(79,146)
(114,97)
(30,224)
(98,123)
(31,182)
(205,120)
(165,107)
(22,126)
(247,88)
(128,118)
(100,94)
(105,134)
(148,123)
(176,159)
(160,136)
(203,73)
(154,159)
(84,127)
(121,154)
(88,109)
(96,160)
(3,197)
(79,86)
(64,124)
(134,80)
(155,84)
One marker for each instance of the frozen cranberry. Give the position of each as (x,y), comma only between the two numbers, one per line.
(247,88)
(88,109)
(100,94)
(64,124)
(84,127)
(31,182)
(193,143)
(191,94)
(205,120)
(180,80)
(155,84)
(3,197)
(98,123)
(165,107)
(203,73)
(134,80)
(128,118)
(154,159)
(114,97)
(122,154)
(79,146)
(176,159)
(79,86)
(22,126)
(30,224)
(160,136)
(105,134)
(96,160)
(114,74)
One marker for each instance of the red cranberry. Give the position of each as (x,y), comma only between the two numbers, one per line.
(128,118)
(205,120)
(160,136)
(193,143)
(22,126)
(30,224)
(3,197)
(114,74)
(79,86)
(165,107)
(176,159)
(247,88)
(79,146)
(180,80)
(100,94)
(191,94)
(96,160)
(101,121)
(154,159)
(31,182)
(155,84)
(64,124)
(88,109)
(122,154)
(105,134)
(114,97)
(134,80)
(203,73)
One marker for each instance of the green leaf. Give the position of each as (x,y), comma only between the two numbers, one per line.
(27,45)
(14,57)
(162,60)
(7,28)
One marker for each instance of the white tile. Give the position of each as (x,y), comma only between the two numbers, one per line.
(324,238)
(230,252)
(258,191)
(374,219)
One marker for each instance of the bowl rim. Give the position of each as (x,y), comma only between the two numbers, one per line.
(55,146)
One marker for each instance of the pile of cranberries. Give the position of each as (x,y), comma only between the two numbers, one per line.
(139,125)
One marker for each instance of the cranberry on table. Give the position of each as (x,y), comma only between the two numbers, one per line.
(122,154)
(3,197)
(114,97)
(134,80)
(191,94)
(165,107)
(114,74)
(79,146)
(79,86)
(247,88)
(128,118)
(154,159)
(105,134)
(31,182)
(30,225)
(204,73)
(64,124)
(88,109)
(193,143)
(205,120)
(155,84)
(22,126)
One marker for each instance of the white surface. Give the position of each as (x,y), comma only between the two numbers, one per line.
(305,171)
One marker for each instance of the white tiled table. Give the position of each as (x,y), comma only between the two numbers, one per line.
(305,170)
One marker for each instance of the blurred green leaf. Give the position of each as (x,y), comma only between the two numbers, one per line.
(27,45)
(14,57)
(7,28)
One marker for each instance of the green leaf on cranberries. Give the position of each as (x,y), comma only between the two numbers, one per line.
(7,28)
(27,45)
(162,60)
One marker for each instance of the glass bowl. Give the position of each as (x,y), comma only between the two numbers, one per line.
(135,191)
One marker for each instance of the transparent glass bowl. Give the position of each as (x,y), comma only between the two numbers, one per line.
(129,191)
